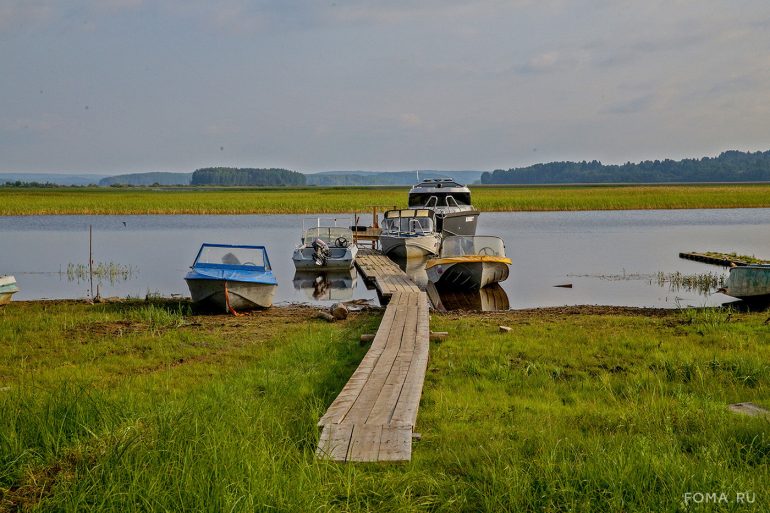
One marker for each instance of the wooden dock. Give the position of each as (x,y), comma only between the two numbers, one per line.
(373,417)
(384,274)
(722,259)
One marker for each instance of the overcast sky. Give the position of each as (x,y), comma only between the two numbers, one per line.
(114,86)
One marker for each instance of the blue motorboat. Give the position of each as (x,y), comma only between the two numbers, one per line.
(230,277)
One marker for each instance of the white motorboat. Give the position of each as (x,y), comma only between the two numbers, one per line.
(325,247)
(409,233)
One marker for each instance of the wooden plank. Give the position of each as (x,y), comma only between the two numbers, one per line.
(335,444)
(350,393)
(405,412)
(364,403)
(395,444)
(386,401)
(365,443)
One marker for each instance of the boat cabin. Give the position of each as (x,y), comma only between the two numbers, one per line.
(408,222)
(440,192)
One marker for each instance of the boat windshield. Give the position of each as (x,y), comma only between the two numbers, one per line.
(440,199)
(458,245)
(328,234)
(407,225)
(232,256)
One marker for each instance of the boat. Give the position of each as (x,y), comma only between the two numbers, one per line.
(748,282)
(469,262)
(229,277)
(409,233)
(7,289)
(451,203)
(326,285)
(325,247)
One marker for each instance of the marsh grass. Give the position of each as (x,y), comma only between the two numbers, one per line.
(101,270)
(570,411)
(14,201)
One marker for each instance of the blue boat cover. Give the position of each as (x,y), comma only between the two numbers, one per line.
(225,274)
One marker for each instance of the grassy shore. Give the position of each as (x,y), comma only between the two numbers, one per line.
(144,406)
(46,201)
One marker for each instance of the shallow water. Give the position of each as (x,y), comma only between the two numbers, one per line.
(547,249)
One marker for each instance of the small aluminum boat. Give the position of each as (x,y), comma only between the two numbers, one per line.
(469,263)
(409,233)
(325,248)
(749,282)
(228,278)
(8,288)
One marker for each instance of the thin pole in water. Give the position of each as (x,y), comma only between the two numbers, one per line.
(91,257)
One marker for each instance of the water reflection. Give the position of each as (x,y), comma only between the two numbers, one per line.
(326,286)
(491,298)
(414,268)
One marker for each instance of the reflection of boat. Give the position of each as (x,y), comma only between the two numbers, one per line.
(450,201)
(415,269)
(488,299)
(325,247)
(409,233)
(7,289)
(330,286)
(227,277)
(749,282)
(469,263)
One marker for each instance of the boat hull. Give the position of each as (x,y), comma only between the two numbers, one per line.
(410,247)
(472,275)
(749,282)
(210,294)
(7,289)
(340,259)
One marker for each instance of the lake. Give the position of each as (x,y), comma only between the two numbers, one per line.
(609,257)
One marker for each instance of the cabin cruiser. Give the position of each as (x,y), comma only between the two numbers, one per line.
(451,203)
(409,233)
(325,248)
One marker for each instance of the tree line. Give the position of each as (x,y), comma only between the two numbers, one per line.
(729,166)
(246,177)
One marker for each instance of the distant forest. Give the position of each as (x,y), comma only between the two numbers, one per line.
(246,177)
(729,166)
(156,178)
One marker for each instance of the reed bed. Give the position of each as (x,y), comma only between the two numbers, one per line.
(574,410)
(46,201)
(109,271)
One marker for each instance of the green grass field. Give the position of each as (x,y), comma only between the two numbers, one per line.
(144,407)
(43,201)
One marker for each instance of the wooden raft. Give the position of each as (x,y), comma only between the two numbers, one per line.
(373,417)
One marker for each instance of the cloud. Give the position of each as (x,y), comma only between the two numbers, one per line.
(632,105)
(547,62)
(24,14)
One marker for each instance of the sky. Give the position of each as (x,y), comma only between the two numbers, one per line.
(124,86)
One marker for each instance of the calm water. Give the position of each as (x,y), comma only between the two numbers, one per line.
(591,250)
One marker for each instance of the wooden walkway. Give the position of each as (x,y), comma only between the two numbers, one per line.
(373,417)
(384,273)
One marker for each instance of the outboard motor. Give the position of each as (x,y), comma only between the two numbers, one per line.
(320,252)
